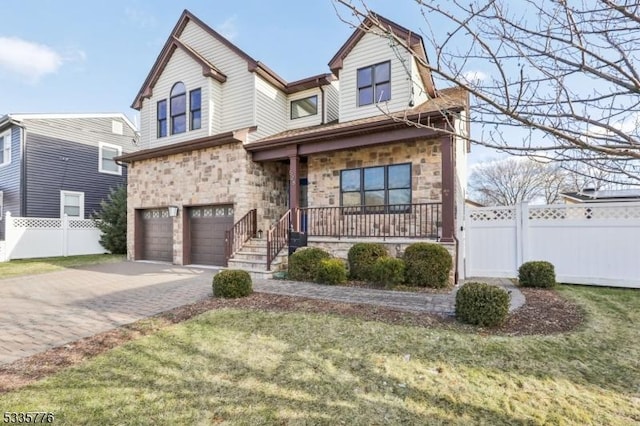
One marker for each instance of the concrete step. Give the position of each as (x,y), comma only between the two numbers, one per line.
(251,255)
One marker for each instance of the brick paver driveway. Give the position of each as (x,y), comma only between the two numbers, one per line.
(43,311)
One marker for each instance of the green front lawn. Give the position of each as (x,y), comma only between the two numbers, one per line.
(50,264)
(251,367)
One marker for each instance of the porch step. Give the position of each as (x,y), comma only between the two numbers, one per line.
(253,258)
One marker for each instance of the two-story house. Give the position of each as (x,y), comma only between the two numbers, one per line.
(57,164)
(230,150)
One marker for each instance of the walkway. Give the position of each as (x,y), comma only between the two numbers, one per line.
(44,311)
(405,301)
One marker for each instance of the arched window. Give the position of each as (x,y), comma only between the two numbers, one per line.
(178,108)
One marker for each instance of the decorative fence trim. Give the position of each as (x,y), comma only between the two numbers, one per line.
(594,244)
(31,237)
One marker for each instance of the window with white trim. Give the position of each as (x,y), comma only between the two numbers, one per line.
(5,148)
(106,161)
(72,204)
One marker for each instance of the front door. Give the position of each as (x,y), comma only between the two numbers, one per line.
(304,183)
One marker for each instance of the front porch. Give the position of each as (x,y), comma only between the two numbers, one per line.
(334,229)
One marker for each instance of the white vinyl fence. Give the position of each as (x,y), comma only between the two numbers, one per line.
(596,244)
(29,237)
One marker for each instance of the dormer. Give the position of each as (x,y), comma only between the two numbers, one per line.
(378,70)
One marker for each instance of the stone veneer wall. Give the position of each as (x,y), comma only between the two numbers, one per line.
(218,175)
(425,157)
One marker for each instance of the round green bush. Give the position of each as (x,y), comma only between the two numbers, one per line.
(232,283)
(482,304)
(537,274)
(427,265)
(332,272)
(362,257)
(304,263)
(388,272)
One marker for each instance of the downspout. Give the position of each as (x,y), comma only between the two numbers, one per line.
(23,173)
(324,108)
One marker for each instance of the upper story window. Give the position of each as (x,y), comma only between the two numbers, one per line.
(374,83)
(107,164)
(178,103)
(5,148)
(304,107)
(377,186)
(195,109)
(162,118)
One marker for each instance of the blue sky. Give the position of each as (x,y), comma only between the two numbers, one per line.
(92,56)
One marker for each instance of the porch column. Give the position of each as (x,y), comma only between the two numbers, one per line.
(294,190)
(448,190)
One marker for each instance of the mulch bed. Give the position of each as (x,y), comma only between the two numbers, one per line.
(545,312)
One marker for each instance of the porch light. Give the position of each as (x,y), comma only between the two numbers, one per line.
(260,233)
(173,211)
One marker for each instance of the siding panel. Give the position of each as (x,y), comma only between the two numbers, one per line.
(373,49)
(237,110)
(312,120)
(83,130)
(180,68)
(10,179)
(54,165)
(332,94)
(271,110)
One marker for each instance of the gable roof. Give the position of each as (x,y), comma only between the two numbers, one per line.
(19,117)
(409,40)
(450,100)
(210,70)
(611,195)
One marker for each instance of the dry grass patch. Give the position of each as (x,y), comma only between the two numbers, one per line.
(242,365)
(50,264)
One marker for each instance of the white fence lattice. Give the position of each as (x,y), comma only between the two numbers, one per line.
(594,244)
(30,237)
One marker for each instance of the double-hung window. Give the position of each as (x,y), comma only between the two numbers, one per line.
(195,109)
(72,204)
(374,84)
(162,118)
(178,104)
(378,189)
(5,148)
(107,162)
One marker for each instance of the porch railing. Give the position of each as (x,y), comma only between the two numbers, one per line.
(278,237)
(241,232)
(422,220)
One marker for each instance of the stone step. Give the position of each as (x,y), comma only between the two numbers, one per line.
(251,255)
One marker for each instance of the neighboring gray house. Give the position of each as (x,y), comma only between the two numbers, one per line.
(52,164)
(590,195)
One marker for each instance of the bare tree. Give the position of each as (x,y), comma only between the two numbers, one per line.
(565,74)
(515,180)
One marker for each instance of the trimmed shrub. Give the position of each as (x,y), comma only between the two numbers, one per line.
(362,257)
(232,283)
(537,274)
(482,304)
(332,272)
(304,263)
(388,272)
(427,265)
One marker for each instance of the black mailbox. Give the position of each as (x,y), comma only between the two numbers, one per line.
(296,240)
